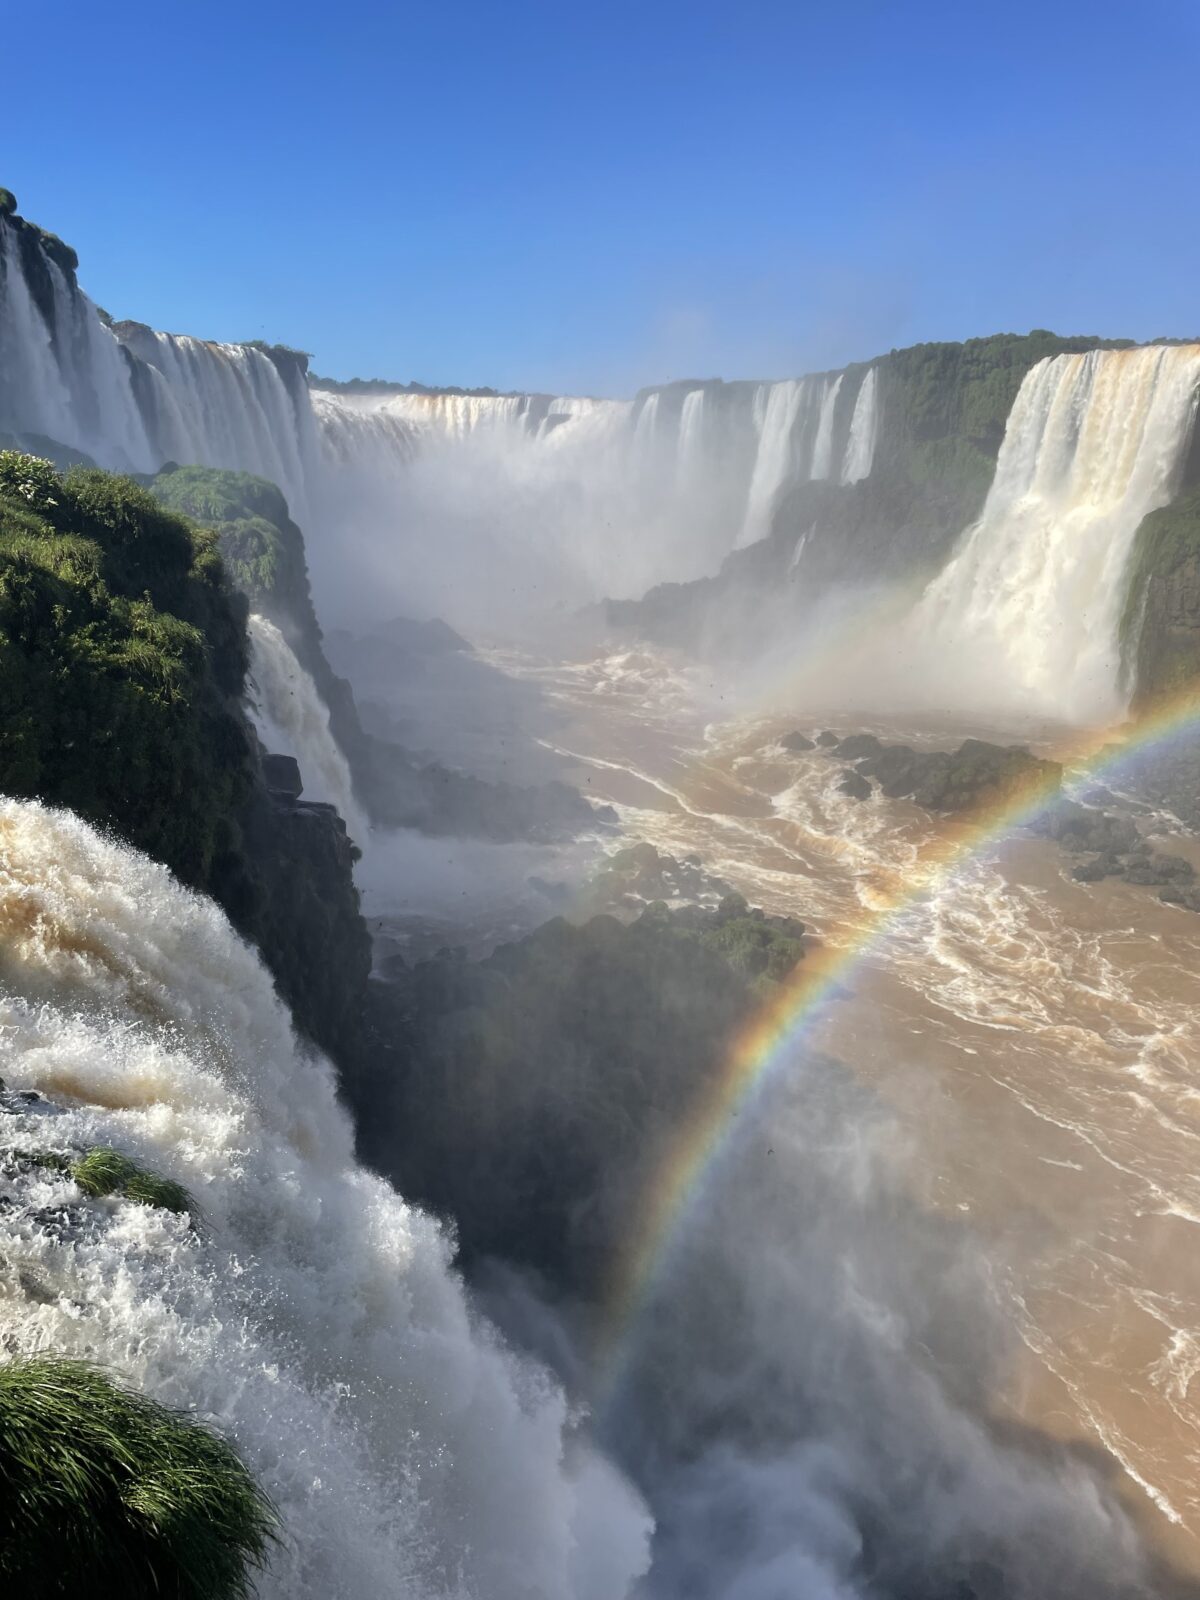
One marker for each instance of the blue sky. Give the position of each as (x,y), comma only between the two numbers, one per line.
(584,199)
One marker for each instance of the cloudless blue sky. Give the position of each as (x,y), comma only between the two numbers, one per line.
(586,198)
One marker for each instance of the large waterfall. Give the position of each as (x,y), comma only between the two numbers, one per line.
(562,499)
(1028,609)
(314,1316)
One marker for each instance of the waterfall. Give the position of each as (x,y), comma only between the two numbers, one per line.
(315,1317)
(690,452)
(776,407)
(1033,598)
(565,498)
(65,375)
(860,445)
(822,454)
(293,720)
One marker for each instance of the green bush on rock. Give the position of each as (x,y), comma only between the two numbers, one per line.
(104,1491)
(122,657)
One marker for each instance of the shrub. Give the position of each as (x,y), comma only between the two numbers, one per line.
(109,1492)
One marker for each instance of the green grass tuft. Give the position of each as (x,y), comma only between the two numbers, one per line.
(105,1489)
(103,1171)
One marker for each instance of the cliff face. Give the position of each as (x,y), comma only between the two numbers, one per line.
(122,671)
(1160,629)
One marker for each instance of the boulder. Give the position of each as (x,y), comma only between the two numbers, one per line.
(281,774)
(797,742)
(855,785)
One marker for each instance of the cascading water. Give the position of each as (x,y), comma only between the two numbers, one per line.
(1029,607)
(65,375)
(565,499)
(864,423)
(314,1317)
(822,455)
(690,454)
(293,720)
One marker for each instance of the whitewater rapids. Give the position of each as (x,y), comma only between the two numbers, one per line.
(315,1319)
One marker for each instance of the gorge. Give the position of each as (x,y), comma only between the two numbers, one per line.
(413,889)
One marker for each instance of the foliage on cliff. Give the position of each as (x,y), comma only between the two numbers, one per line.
(539,1087)
(262,547)
(122,654)
(1160,623)
(106,1492)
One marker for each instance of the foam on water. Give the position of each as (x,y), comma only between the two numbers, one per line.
(316,1319)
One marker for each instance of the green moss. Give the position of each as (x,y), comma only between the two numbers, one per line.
(107,1491)
(8,203)
(122,658)
(103,1171)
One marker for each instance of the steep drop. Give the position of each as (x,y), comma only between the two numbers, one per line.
(314,1317)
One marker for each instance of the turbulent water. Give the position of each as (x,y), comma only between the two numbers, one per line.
(293,720)
(314,1317)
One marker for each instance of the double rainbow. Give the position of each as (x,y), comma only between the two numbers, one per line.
(770,1040)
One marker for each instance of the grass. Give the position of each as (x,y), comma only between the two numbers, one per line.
(103,1171)
(105,1490)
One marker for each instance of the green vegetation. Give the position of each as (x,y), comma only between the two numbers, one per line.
(122,658)
(103,1171)
(1160,622)
(262,548)
(107,1492)
(8,203)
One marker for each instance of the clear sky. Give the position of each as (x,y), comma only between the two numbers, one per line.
(584,198)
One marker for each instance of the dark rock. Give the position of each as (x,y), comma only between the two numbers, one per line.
(281,774)
(855,785)
(1159,870)
(797,742)
(1174,895)
(827,740)
(1099,867)
(858,745)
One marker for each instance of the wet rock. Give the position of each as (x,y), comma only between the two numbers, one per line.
(1096,869)
(858,745)
(855,785)
(1159,870)
(975,774)
(281,774)
(797,742)
(827,740)
(1175,895)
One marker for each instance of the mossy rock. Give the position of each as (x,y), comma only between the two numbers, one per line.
(8,203)
(109,1492)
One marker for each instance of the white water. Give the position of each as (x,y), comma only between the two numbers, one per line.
(316,1320)
(864,425)
(543,502)
(1029,607)
(293,720)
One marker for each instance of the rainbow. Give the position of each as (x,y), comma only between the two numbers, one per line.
(768,1043)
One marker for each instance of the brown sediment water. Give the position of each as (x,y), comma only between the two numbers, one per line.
(1038,1040)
